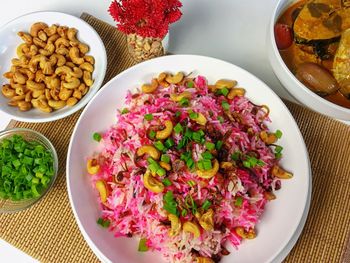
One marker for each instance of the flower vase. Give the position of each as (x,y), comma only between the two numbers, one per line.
(144,48)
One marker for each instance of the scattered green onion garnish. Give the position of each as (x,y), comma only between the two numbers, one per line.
(190,163)
(170,204)
(210,146)
(221,119)
(206,205)
(191,183)
(177,114)
(239,201)
(184,212)
(152,134)
(278,134)
(161,171)
(190,84)
(124,111)
(218,145)
(236,155)
(204,164)
(193,115)
(166,182)
(224,91)
(103,222)
(192,205)
(185,156)
(165,158)
(159,145)
(148,117)
(246,164)
(278,151)
(225,105)
(143,245)
(26,168)
(97,137)
(184,102)
(207,155)
(196,136)
(178,128)
(169,143)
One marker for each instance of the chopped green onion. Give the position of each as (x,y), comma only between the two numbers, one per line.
(207,164)
(178,128)
(224,91)
(169,143)
(152,134)
(190,163)
(206,205)
(97,137)
(225,105)
(278,149)
(190,84)
(167,182)
(170,204)
(193,115)
(177,114)
(153,167)
(221,119)
(184,102)
(197,137)
(207,155)
(185,156)
(278,155)
(125,110)
(165,158)
(246,164)
(161,171)
(210,146)
(143,245)
(103,222)
(200,165)
(218,145)
(236,155)
(148,117)
(159,145)
(260,163)
(191,183)
(278,134)
(184,212)
(238,201)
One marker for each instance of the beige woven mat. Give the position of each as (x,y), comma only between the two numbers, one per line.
(48,231)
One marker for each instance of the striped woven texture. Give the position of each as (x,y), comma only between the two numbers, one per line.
(49,233)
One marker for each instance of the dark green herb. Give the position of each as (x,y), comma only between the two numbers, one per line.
(166,182)
(178,128)
(236,155)
(225,105)
(210,146)
(206,205)
(125,110)
(159,145)
(278,134)
(184,102)
(103,222)
(170,204)
(239,201)
(148,117)
(169,143)
(96,136)
(218,145)
(152,134)
(143,245)
(165,158)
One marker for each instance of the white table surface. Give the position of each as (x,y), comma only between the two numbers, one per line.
(232,30)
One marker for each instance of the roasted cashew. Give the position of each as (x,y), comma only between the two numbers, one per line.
(226,166)
(7,91)
(30,75)
(175,225)
(62,51)
(245,234)
(149,88)
(33,63)
(62,31)
(21,90)
(39,76)
(177,97)
(48,50)
(25,37)
(71,34)
(70,64)
(8,75)
(57,59)
(61,42)
(74,55)
(102,189)
(53,38)
(28,97)
(87,66)
(166,132)
(63,70)
(43,106)
(57,104)
(18,98)
(38,42)
(77,94)
(223,83)
(72,101)
(46,66)
(152,183)
(72,84)
(236,92)
(34,85)
(51,30)
(92,166)
(207,174)
(36,27)
(65,94)
(150,150)
(192,227)
(20,49)
(83,89)
(280,173)
(269,196)
(204,260)
(19,78)
(165,165)
(206,220)
(53,83)
(161,77)
(268,138)
(42,35)
(54,94)
(83,48)
(87,78)
(33,50)
(89,59)
(13,103)
(16,62)
(201,120)
(175,79)
(24,106)
(77,72)
(15,85)
(37,93)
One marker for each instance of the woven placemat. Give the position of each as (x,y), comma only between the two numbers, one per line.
(48,231)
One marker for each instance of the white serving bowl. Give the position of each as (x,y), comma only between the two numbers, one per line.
(283,219)
(298,90)
(10,41)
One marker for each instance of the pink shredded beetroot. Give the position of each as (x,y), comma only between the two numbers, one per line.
(237,193)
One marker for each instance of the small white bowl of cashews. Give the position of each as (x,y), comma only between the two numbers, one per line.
(51,65)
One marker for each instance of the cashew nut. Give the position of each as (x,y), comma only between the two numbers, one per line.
(8,75)
(30,75)
(54,94)
(152,183)
(21,90)
(25,37)
(39,76)
(16,62)
(51,30)
(92,166)
(77,72)
(207,174)
(72,101)
(63,70)
(38,42)
(269,196)
(53,38)
(34,85)
(280,173)
(48,50)
(250,234)
(24,105)
(70,64)
(46,66)
(204,260)
(18,98)
(175,225)
(36,27)
(236,92)
(15,85)
(161,77)
(42,35)
(7,91)
(71,33)
(191,227)
(19,78)
(83,89)
(72,84)
(37,93)
(57,59)
(268,138)
(206,220)
(150,150)
(102,189)
(62,51)
(149,88)
(177,97)
(223,83)
(87,66)
(61,42)
(87,78)
(175,79)
(201,120)
(74,55)
(77,94)
(226,166)
(20,49)
(165,165)
(166,132)
(83,48)
(65,94)
(33,50)
(62,31)
(89,59)
(56,105)
(33,63)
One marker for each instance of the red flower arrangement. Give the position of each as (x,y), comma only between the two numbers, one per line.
(147,18)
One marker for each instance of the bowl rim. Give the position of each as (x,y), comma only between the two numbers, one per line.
(280,7)
(92,90)
(11,131)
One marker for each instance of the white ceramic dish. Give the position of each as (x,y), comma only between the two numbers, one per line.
(280,224)
(299,91)
(10,40)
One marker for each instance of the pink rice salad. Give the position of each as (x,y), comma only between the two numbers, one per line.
(208,181)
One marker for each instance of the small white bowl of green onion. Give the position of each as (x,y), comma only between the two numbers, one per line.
(28,168)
